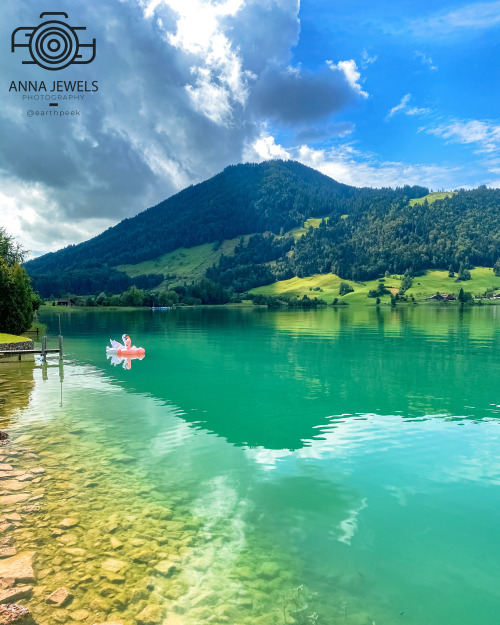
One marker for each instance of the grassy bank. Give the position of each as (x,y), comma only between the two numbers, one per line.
(11,338)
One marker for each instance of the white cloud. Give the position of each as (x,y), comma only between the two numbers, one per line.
(472,16)
(29,214)
(367,59)
(264,149)
(346,164)
(485,134)
(407,110)
(426,60)
(350,70)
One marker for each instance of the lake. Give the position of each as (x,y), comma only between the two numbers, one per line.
(329,467)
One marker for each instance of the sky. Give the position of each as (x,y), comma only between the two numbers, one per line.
(370,93)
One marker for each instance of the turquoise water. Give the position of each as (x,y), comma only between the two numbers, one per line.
(328,466)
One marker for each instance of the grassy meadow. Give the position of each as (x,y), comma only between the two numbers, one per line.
(326,286)
(185,263)
(432,197)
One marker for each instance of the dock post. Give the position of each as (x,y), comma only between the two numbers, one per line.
(44,346)
(60,347)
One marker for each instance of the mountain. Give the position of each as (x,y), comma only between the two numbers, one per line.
(255,224)
(243,199)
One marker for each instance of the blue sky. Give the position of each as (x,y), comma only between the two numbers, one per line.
(371,93)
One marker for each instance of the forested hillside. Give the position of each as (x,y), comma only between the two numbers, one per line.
(273,196)
(362,234)
(376,233)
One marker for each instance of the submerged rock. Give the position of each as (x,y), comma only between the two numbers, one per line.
(30,509)
(113,566)
(20,567)
(8,500)
(151,615)
(69,522)
(80,615)
(10,595)
(12,485)
(59,597)
(14,614)
(166,568)
(115,543)
(269,570)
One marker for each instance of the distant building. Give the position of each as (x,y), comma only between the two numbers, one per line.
(65,302)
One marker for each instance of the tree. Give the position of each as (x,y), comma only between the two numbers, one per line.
(464,296)
(496,268)
(345,288)
(11,252)
(406,282)
(102,299)
(16,303)
(133,297)
(463,273)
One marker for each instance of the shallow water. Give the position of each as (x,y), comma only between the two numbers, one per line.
(329,467)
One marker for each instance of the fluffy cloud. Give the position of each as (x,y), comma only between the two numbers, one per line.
(294,96)
(185,87)
(351,166)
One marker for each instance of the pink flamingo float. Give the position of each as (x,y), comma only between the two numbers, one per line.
(124,353)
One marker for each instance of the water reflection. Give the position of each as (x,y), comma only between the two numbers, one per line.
(16,387)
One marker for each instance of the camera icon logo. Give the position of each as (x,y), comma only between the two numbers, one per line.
(54,44)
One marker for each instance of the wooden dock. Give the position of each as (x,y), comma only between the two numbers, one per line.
(43,351)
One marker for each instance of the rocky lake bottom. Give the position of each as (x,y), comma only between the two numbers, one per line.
(87,540)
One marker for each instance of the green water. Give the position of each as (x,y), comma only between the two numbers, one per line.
(335,467)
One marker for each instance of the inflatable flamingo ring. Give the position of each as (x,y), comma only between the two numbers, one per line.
(125,349)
